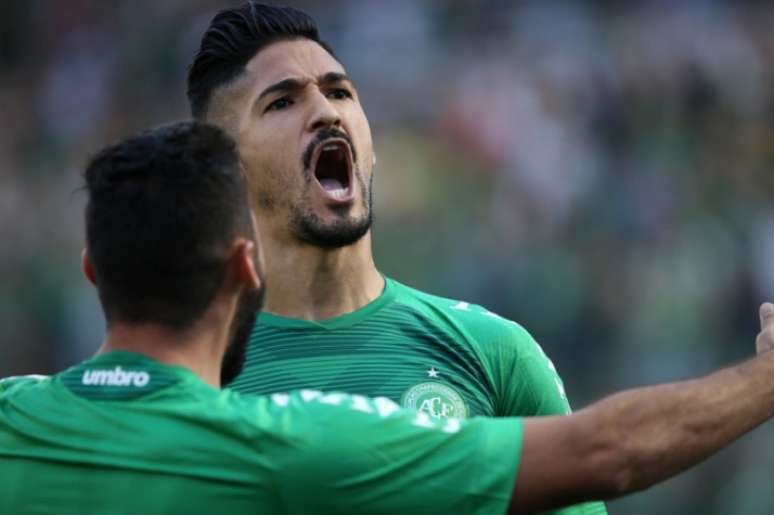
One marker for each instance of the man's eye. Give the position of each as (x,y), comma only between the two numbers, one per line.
(280,103)
(339,94)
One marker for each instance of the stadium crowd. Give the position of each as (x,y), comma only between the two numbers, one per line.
(601,175)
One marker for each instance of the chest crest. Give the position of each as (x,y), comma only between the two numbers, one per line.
(437,399)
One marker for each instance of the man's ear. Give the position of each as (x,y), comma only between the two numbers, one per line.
(87,268)
(245,272)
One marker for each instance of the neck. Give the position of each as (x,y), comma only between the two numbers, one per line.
(313,283)
(198,349)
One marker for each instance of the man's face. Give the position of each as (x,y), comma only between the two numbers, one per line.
(304,141)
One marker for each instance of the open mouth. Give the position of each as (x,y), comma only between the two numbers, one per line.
(332,165)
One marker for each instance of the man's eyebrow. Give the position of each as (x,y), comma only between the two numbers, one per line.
(292,84)
(283,85)
(332,77)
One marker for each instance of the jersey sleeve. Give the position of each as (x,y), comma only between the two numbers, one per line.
(524,380)
(357,455)
(527,384)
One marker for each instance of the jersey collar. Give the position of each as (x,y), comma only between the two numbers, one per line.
(122,374)
(345,320)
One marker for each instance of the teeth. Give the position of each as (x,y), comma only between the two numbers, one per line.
(338,193)
(334,188)
(326,148)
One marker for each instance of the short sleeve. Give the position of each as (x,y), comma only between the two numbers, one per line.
(527,384)
(525,379)
(356,455)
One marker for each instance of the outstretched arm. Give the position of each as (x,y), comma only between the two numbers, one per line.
(639,437)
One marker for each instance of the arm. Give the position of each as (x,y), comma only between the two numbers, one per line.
(639,437)
(355,455)
(525,381)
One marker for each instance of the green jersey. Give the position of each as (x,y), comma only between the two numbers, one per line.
(124,434)
(443,357)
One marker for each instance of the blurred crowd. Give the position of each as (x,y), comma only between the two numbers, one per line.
(601,172)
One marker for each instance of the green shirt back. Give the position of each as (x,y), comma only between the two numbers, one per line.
(122,434)
(443,357)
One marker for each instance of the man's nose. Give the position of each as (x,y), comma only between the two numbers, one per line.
(325,115)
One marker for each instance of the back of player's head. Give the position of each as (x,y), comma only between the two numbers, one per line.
(234,36)
(164,208)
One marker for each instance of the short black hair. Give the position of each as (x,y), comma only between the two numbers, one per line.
(164,208)
(234,36)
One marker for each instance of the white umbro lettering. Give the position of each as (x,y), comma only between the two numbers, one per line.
(280,399)
(115,377)
(461,306)
(36,377)
(385,406)
(379,406)
(423,420)
(452,426)
(333,398)
(308,395)
(360,403)
(465,306)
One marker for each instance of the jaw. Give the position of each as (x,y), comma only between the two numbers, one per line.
(353,210)
(316,222)
(304,207)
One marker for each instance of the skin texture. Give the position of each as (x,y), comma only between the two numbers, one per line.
(640,437)
(273,132)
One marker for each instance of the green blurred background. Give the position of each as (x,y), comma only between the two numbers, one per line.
(600,172)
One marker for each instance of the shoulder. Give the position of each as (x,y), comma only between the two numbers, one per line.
(291,412)
(408,296)
(304,405)
(334,414)
(311,419)
(14,383)
(482,325)
(323,423)
(395,454)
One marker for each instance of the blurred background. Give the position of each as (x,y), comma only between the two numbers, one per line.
(601,172)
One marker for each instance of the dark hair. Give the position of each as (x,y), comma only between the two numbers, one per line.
(234,36)
(163,210)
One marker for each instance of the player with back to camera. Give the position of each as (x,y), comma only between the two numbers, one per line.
(332,320)
(142,427)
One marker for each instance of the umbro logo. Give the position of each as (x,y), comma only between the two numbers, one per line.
(115,377)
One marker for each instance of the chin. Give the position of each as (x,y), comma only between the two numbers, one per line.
(311,229)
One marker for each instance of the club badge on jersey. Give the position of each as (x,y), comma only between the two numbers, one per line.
(437,399)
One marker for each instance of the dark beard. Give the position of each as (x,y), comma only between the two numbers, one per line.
(248,307)
(309,228)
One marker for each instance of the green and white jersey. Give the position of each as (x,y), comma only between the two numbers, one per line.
(443,357)
(124,434)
